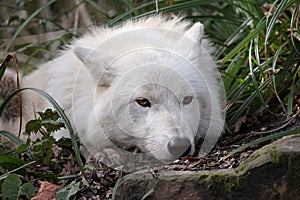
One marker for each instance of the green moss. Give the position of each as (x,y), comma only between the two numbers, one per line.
(221,185)
(277,157)
(293,175)
(203,177)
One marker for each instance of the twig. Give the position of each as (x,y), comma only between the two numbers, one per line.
(17,65)
(156,5)
(14,170)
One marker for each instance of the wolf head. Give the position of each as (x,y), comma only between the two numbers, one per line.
(155,88)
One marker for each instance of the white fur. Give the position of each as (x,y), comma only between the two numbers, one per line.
(97,79)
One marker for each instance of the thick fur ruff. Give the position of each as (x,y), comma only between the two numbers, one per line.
(148,84)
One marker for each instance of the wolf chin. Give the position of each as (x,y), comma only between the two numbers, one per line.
(147,84)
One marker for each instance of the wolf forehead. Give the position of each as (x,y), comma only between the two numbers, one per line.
(146,28)
(105,45)
(157,81)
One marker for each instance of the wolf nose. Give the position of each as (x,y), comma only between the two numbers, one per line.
(179,146)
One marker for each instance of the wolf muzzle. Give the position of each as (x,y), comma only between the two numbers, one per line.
(179,147)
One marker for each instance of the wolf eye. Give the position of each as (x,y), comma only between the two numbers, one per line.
(187,100)
(143,102)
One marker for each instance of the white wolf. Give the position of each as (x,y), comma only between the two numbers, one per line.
(147,84)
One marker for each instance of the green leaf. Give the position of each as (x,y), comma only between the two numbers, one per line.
(11,162)
(28,190)
(49,115)
(43,148)
(52,125)
(68,191)
(48,119)
(33,126)
(11,187)
(64,143)
(17,141)
(51,120)
(22,148)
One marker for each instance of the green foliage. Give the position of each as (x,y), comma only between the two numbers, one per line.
(68,191)
(43,148)
(39,150)
(11,162)
(266,59)
(48,122)
(13,189)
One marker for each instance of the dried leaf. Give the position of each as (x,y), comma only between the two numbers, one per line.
(47,191)
(237,125)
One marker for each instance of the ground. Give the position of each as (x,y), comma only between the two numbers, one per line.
(101,182)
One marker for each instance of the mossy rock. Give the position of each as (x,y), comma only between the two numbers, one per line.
(272,172)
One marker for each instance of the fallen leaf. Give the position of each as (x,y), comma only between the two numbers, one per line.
(47,191)
(238,124)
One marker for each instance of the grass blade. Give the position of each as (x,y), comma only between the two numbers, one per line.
(99,8)
(275,16)
(254,77)
(118,183)
(148,194)
(10,42)
(260,140)
(12,137)
(245,41)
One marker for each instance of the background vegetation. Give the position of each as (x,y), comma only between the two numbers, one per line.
(257,44)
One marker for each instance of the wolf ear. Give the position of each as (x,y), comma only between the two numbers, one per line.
(195,32)
(104,75)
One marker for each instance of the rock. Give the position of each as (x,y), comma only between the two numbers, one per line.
(272,172)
